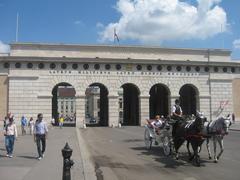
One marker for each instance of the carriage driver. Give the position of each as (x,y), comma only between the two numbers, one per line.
(176,115)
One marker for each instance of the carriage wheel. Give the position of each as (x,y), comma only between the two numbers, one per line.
(147,139)
(166,146)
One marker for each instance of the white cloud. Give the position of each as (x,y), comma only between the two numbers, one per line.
(79,23)
(154,21)
(236,44)
(99,25)
(4,48)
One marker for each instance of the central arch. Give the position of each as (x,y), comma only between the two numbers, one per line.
(159,100)
(189,99)
(96,107)
(130,105)
(64,102)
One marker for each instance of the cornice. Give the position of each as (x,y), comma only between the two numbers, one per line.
(116,48)
(114,60)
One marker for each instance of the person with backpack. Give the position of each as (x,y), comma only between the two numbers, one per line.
(23,125)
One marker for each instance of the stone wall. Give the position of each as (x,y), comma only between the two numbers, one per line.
(236,99)
(3,96)
(31,93)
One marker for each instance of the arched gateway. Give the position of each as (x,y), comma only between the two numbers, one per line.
(96,105)
(130,104)
(64,103)
(159,100)
(150,78)
(189,99)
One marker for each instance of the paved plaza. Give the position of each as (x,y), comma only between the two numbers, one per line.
(25,166)
(111,153)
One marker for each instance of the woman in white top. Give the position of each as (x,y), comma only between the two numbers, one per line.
(10,133)
(31,125)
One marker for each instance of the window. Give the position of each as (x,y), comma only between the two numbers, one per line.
(96,66)
(215,69)
(149,67)
(18,65)
(98,103)
(224,69)
(85,66)
(159,67)
(233,69)
(169,68)
(206,69)
(188,68)
(120,114)
(52,66)
(40,65)
(6,65)
(120,105)
(107,66)
(197,68)
(179,68)
(29,65)
(139,67)
(118,66)
(63,65)
(74,66)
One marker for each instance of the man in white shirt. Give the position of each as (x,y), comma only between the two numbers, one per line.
(40,134)
(176,115)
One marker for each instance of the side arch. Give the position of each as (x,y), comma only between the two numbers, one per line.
(131,105)
(96,105)
(159,100)
(189,99)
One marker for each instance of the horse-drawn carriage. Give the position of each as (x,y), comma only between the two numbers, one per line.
(194,130)
(161,135)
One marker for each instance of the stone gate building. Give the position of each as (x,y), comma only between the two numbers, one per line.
(148,78)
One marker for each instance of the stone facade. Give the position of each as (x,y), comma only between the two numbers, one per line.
(209,72)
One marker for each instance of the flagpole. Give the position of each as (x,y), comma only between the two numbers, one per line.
(17,29)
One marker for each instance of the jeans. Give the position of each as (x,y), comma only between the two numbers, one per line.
(41,144)
(9,143)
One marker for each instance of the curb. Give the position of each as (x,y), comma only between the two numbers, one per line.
(234,129)
(88,166)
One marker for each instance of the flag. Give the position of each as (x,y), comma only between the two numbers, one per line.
(115,35)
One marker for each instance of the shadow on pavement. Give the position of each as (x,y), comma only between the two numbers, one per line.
(169,161)
(27,157)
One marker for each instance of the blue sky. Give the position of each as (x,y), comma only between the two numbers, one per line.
(165,23)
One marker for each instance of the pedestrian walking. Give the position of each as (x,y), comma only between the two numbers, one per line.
(23,125)
(40,135)
(31,125)
(10,133)
(6,119)
(60,121)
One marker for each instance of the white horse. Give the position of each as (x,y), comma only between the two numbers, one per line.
(216,130)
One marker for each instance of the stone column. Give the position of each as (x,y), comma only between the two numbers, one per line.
(205,106)
(113,111)
(144,109)
(80,111)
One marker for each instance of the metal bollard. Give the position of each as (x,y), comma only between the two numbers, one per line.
(67,162)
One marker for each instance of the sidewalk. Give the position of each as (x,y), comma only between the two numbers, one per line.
(25,166)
